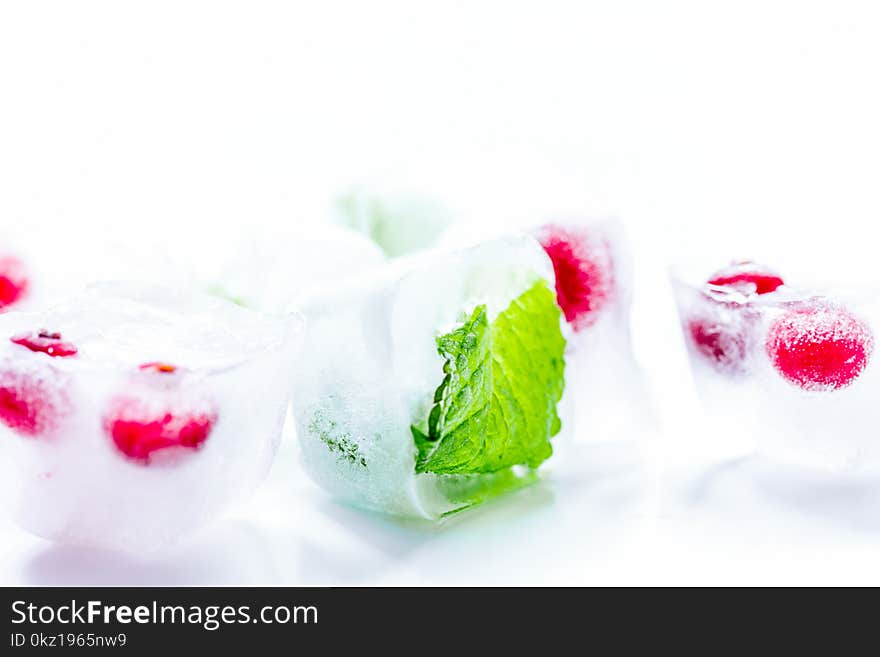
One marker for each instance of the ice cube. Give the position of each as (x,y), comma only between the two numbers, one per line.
(790,369)
(391,363)
(399,223)
(593,270)
(131,415)
(270,270)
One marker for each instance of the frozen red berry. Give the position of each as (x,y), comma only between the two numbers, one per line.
(584,272)
(747,277)
(722,330)
(46,342)
(158,367)
(818,346)
(29,404)
(722,345)
(14,281)
(158,420)
(139,430)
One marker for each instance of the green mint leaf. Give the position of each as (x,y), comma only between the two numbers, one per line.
(496,405)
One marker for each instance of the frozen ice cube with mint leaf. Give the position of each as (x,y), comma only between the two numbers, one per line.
(433,384)
(593,270)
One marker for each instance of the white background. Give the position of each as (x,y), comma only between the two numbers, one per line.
(730,129)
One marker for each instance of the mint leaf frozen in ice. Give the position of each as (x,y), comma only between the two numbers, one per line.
(496,405)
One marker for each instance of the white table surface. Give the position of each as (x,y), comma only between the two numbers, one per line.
(611,516)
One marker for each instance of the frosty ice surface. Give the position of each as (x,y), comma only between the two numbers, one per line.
(272,270)
(593,283)
(37,270)
(432,384)
(131,415)
(400,224)
(794,368)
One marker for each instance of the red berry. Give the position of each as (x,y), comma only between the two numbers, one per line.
(29,405)
(13,281)
(584,272)
(142,426)
(158,368)
(723,345)
(139,431)
(45,342)
(722,330)
(819,346)
(747,277)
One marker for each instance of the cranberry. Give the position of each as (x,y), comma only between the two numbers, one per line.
(14,281)
(46,342)
(747,277)
(28,405)
(722,344)
(584,272)
(142,426)
(819,346)
(139,431)
(158,368)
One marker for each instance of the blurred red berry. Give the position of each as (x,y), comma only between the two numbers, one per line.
(158,419)
(747,277)
(723,344)
(140,431)
(158,368)
(14,281)
(584,272)
(45,342)
(29,405)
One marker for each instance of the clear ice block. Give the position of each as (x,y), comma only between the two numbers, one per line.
(791,370)
(131,415)
(399,223)
(271,270)
(377,389)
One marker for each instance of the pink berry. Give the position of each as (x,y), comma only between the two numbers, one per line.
(747,277)
(143,427)
(819,346)
(722,345)
(30,405)
(584,272)
(45,342)
(139,431)
(723,333)
(158,367)
(14,281)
